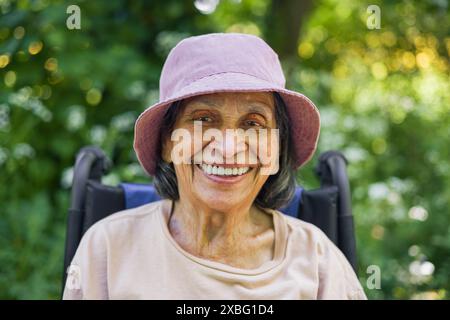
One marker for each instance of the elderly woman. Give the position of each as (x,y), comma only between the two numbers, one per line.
(217,233)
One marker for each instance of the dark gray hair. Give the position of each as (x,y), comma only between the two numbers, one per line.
(277,190)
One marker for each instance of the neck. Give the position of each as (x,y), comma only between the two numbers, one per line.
(242,236)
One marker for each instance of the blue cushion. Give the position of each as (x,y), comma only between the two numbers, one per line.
(291,209)
(139,194)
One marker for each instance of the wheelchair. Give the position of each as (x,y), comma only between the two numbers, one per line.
(328,207)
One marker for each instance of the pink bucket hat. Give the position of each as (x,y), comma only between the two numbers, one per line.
(224,62)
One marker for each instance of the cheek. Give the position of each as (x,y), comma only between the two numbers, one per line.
(259,181)
(184,176)
(265,147)
(184,146)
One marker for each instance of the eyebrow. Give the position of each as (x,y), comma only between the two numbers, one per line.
(261,108)
(254,106)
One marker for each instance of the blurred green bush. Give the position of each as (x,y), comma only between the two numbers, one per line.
(383,96)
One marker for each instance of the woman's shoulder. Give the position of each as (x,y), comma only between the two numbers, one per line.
(307,239)
(115,235)
(117,232)
(304,230)
(336,276)
(134,213)
(312,237)
(126,221)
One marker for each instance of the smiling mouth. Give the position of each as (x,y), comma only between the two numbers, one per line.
(223,171)
(226,175)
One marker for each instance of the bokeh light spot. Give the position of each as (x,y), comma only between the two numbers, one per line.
(93,96)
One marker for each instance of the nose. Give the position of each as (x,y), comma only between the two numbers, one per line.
(230,145)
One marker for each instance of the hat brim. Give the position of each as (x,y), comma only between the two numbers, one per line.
(303,115)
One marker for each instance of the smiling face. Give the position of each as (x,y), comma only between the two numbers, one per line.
(224,173)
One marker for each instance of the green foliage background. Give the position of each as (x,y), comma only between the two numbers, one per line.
(383,96)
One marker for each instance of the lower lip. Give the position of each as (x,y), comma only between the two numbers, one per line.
(224,179)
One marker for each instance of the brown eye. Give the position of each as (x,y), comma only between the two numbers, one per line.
(254,120)
(252,123)
(202,115)
(203,119)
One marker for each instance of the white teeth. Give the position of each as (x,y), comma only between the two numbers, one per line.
(221,171)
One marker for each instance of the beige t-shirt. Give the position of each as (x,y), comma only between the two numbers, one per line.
(132,255)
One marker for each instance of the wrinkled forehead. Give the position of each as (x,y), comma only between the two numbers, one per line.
(263,99)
